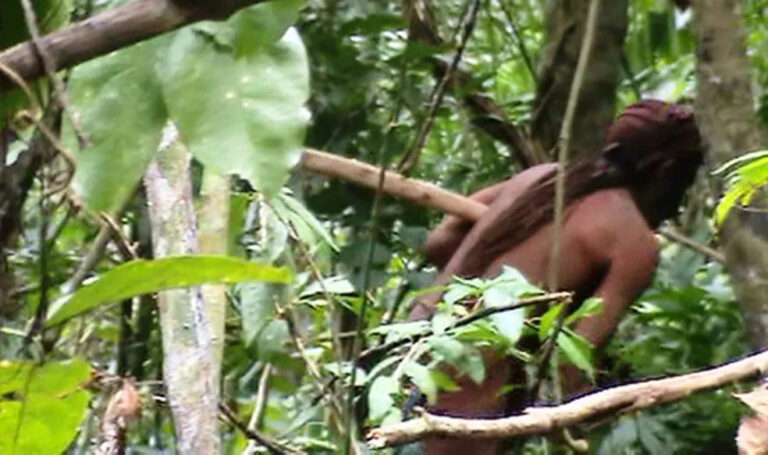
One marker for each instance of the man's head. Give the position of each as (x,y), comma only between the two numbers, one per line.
(658,147)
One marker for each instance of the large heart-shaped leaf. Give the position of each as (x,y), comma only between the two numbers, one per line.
(247,115)
(122,112)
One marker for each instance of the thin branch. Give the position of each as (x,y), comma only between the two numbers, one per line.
(542,420)
(60,92)
(272,447)
(111,30)
(520,42)
(564,141)
(704,250)
(549,349)
(412,155)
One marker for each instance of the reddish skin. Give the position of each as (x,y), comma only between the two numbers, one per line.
(606,244)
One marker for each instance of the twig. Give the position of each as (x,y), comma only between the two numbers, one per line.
(541,420)
(564,141)
(14,77)
(336,410)
(272,446)
(484,313)
(260,401)
(122,243)
(704,250)
(50,69)
(412,155)
(548,349)
(520,42)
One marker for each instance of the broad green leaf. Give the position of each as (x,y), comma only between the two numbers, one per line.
(591,306)
(122,112)
(455,353)
(441,321)
(257,306)
(509,323)
(421,377)
(41,408)
(264,24)
(247,116)
(143,277)
(577,350)
(301,219)
(548,320)
(380,400)
(458,291)
(272,340)
(333,284)
(443,381)
(745,175)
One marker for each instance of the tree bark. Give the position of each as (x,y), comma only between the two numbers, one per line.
(596,108)
(188,365)
(108,31)
(724,111)
(214,239)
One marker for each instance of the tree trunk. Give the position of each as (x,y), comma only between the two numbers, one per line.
(724,110)
(188,361)
(596,108)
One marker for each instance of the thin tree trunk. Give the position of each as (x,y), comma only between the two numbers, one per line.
(724,109)
(566,20)
(188,366)
(214,239)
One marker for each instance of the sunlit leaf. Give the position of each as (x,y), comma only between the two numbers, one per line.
(591,306)
(421,377)
(380,400)
(37,401)
(577,350)
(142,277)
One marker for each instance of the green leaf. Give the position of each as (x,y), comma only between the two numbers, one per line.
(380,401)
(247,116)
(301,219)
(47,401)
(510,323)
(591,306)
(548,320)
(745,176)
(441,321)
(143,277)
(577,350)
(455,353)
(443,381)
(121,110)
(257,306)
(421,377)
(262,25)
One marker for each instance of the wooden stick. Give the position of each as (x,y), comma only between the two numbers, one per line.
(418,192)
(622,399)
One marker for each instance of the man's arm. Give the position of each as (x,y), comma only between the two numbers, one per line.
(632,258)
(447,236)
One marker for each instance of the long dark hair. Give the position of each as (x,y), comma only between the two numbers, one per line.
(651,144)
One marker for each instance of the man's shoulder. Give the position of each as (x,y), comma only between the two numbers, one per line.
(609,219)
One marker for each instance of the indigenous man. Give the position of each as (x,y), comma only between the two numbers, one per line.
(608,248)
